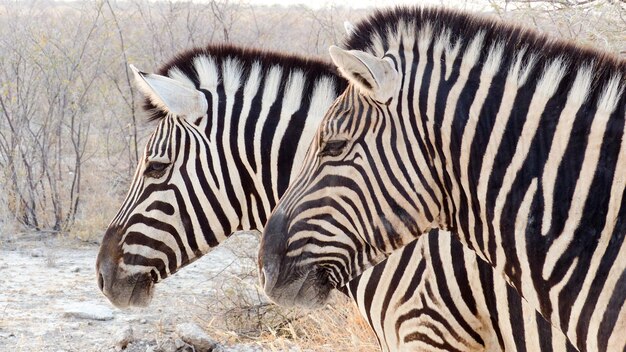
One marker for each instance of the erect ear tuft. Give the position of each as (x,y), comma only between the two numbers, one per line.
(170,95)
(349,27)
(374,76)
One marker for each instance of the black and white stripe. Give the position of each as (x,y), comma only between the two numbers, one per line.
(435,294)
(204,174)
(231,124)
(508,138)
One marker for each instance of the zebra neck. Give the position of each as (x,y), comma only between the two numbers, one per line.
(522,151)
(446,89)
(269,121)
(521,140)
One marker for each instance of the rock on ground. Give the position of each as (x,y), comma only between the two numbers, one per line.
(86,310)
(195,336)
(123,337)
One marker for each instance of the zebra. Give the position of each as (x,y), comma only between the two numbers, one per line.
(233,126)
(505,137)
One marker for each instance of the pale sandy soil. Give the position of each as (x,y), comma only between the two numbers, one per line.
(41,276)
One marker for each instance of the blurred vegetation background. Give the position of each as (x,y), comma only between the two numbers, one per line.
(71,129)
(70,123)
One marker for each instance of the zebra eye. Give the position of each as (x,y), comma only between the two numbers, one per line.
(333,148)
(155,169)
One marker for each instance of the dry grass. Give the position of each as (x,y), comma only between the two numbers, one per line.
(241,314)
(336,327)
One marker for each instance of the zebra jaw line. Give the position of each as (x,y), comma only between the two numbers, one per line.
(511,140)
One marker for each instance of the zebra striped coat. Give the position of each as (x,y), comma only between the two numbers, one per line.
(437,295)
(233,125)
(509,139)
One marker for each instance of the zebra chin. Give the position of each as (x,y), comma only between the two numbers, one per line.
(309,290)
(124,290)
(286,280)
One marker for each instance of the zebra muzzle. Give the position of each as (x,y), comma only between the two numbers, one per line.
(122,288)
(125,289)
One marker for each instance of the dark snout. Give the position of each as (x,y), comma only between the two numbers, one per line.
(273,247)
(284,277)
(123,288)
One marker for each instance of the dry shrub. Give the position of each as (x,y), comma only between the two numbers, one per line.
(102,198)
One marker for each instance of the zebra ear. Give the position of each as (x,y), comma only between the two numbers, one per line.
(373,75)
(170,95)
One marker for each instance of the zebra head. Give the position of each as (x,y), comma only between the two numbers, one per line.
(336,219)
(233,126)
(130,261)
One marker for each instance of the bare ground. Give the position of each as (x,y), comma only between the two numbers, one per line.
(44,278)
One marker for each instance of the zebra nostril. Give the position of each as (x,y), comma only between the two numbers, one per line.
(268,275)
(262,277)
(154,275)
(101,282)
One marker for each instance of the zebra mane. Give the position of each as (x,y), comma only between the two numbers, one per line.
(312,69)
(388,27)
